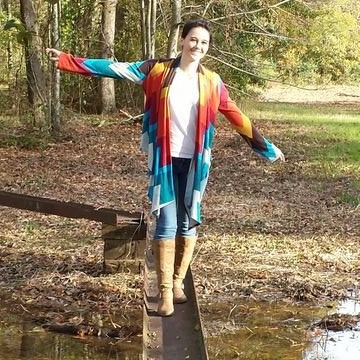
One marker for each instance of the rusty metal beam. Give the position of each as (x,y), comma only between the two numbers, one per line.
(69,209)
(179,336)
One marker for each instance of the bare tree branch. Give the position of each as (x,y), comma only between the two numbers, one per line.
(253,11)
(282,37)
(263,31)
(226,53)
(129,116)
(207,7)
(234,67)
(254,75)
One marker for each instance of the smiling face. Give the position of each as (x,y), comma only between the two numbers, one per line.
(195,45)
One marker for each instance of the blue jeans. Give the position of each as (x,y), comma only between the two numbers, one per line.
(173,219)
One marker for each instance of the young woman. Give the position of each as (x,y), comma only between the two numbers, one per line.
(182,100)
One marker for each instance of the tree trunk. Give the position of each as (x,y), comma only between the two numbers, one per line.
(34,72)
(54,87)
(144,45)
(174,30)
(152,27)
(148,27)
(107,36)
(6,7)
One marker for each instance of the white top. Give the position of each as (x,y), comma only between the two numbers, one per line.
(184,99)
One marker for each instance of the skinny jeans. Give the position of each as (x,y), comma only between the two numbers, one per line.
(173,218)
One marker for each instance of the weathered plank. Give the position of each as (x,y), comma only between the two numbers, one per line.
(68,209)
(123,232)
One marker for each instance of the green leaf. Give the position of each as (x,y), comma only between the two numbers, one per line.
(14,23)
(24,36)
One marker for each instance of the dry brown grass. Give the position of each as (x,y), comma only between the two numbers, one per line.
(270,232)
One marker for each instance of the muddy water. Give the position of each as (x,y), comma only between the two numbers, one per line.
(279,332)
(258,331)
(251,331)
(27,341)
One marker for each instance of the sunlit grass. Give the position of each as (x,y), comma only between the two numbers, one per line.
(328,134)
(331,133)
(303,113)
(352,198)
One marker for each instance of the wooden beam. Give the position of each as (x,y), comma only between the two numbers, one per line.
(124,247)
(69,209)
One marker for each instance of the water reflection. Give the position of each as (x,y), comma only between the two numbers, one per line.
(339,345)
(248,331)
(344,345)
(30,342)
(258,330)
(274,331)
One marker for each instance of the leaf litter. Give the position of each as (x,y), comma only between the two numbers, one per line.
(270,231)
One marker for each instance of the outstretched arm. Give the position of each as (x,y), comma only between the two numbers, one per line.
(246,129)
(135,71)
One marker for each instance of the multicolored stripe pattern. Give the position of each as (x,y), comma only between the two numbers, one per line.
(156,76)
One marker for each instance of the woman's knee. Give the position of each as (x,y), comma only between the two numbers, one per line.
(166,223)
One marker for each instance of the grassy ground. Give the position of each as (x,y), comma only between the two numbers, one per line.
(334,130)
(283,231)
(291,229)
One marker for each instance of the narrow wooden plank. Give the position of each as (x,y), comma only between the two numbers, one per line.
(69,209)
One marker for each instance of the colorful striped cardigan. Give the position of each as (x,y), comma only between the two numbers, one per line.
(156,76)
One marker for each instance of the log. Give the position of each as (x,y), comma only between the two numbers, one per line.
(84,330)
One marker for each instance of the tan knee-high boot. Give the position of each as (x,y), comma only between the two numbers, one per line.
(185,246)
(164,251)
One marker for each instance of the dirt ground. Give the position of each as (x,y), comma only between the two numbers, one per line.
(309,94)
(270,231)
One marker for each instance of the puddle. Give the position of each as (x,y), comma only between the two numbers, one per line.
(246,331)
(258,331)
(279,331)
(28,341)
(337,345)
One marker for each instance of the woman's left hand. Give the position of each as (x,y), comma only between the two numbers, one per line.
(54,54)
(279,155)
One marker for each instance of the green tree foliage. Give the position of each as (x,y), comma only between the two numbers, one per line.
(249,36)
(253,41)
(128,48)
(80,26)
(331,49)
(322,46)
(4,40)
(79,29)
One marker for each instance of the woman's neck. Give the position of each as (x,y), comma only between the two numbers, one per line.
(189,67)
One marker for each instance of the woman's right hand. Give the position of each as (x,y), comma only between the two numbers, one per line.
(53,54)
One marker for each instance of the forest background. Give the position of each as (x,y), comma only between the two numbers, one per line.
(255,41)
